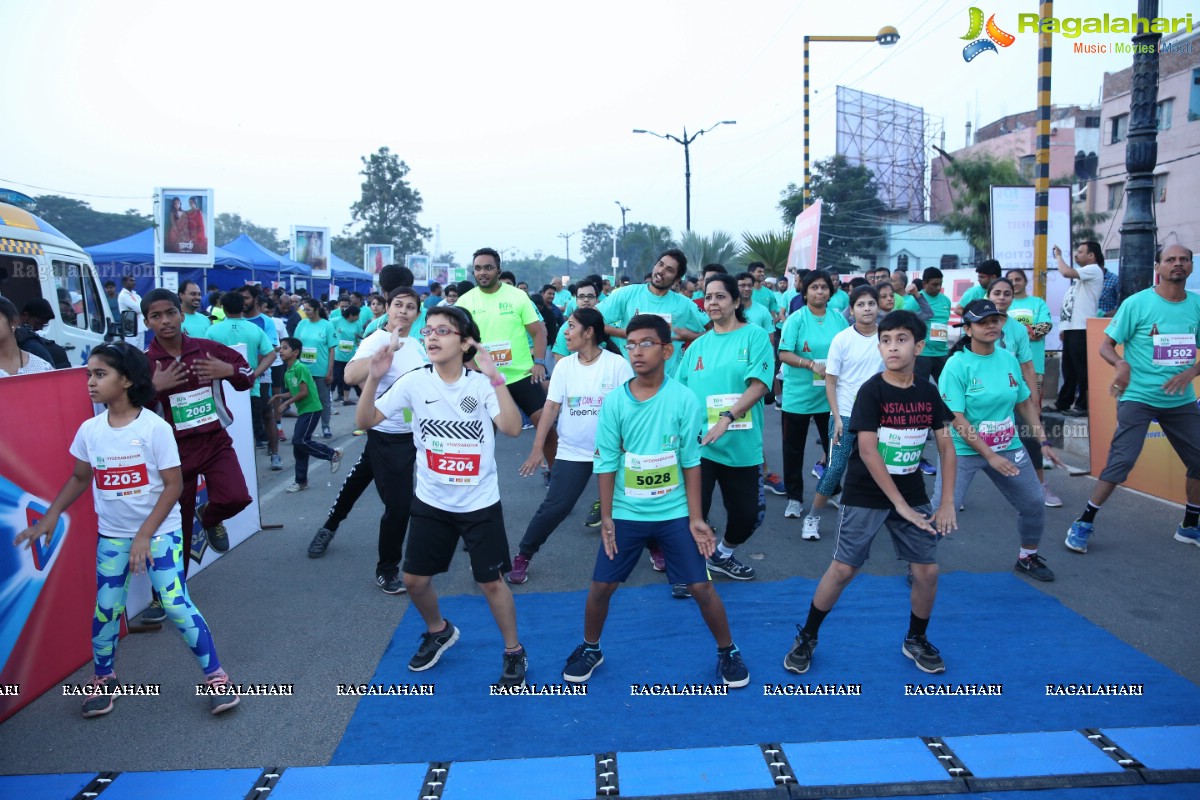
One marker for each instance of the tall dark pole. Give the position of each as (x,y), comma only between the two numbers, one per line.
(1138,231)
(1041,210)
(687,179)
(621,246)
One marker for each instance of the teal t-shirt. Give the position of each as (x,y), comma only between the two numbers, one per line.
(1015,339)
(839,301)
(807,336)
(718,367)
(1032,311)
(984,389)
(316,338)
(298,374)
(937,338)
(648,445)
(758,316)
(241,331)
(347,334)
(381,320)
(1160,339)
(196,325)
(680,312)
(785,303)
(976,292)
(560,343)
(766,298)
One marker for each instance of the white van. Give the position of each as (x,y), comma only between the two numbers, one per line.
(38,261)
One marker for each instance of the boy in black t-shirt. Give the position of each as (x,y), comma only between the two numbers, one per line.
(892,416)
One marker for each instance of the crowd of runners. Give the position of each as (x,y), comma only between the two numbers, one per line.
(662,389)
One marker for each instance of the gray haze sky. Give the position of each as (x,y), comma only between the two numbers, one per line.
(515,118)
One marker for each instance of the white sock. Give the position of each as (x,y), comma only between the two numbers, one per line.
(1026,553)
(725,550)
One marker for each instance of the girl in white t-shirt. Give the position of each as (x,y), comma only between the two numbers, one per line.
(578,386)
(129,457)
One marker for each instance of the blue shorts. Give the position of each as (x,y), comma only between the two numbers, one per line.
(673,537)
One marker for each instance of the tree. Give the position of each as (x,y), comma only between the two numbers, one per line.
(85,226)
(1084,222)
(719,248)
(597,247)
(771,248)
(387,211)
(971,180)
(640,247)
(231,226)
(851,211)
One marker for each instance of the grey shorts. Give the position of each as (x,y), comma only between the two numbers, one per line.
(857,528)
(1180,425)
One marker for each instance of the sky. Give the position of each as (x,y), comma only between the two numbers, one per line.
(515,118)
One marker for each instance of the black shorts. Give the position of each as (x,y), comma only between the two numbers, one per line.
(530,397)
(434,535)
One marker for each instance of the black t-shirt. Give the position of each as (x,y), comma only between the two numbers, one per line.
(901,418)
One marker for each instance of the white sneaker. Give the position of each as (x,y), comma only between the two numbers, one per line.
(794,509)
(297,487)
(1051,499)
(812,529)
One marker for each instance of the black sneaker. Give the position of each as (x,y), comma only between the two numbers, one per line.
(731,668)
(155,614)
(593,517)
(391,584)
(515,665)
(680,591)
(320,542)
(582,663)
(218,537)
(799,659)
(1035,567)
(432,647)
(923,654)
(730,567)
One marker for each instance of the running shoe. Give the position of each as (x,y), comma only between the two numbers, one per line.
(818,470)
(326,433)
(348,402)
(799,658)
(909,577)
(297,487)
(730,567)
(513,673)
(336,461)
(812,529)
(1188,535)
(1050,499)
(1035,567)
(657,559)
(276,462)
(794,509)
(680,591)
(155,614)
(923,654)
(320,542)
(546,478)
(731,668)
(432,647)
(199,543)
(528,426)
(281,434)
(774,484)
(1078,535)
(223,699)
(218,537)
(927,468)
(582,663)
(520,570)
(391,584)
(593,517)
(359,432)
(99,702)
(260,444)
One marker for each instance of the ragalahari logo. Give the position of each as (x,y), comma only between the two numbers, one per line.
(994,37)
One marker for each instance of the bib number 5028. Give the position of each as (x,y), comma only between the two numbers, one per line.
(654,479)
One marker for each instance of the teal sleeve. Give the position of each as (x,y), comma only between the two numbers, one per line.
(608,434)
(1121,327)
(691,423)
(762,360)
(953,386)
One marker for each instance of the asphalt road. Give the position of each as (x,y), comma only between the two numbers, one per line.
(280,617)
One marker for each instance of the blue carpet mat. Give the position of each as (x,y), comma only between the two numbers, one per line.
(991,629)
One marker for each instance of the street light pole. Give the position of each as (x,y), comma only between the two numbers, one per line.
(623,210)
(567,237)
(886,37)
(686,141)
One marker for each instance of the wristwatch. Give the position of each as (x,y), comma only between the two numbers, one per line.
(541,362)
(728,415)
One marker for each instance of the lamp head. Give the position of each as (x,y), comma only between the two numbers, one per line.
(887,36)
(639,130)
(729,122)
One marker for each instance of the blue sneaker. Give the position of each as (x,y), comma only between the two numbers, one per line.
(1188,535)
(927,468)
(774,484)
(1077,536)
(818,470)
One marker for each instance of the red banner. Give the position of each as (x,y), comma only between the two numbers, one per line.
(803,254)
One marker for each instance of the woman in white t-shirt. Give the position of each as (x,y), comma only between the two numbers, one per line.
(14,360)
(578,386)
(853,359)
(129,458)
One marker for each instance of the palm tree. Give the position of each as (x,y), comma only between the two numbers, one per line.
(719,248)
(771,248)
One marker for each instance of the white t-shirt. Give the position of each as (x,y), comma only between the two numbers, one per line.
(126,464)
(854,359)
(280,334)
(34,365)
(452,429)
(410,356)
(580,389)
(129,300)
(1082,299)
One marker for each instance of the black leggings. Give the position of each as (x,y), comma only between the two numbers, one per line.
(392,457)
(739,491)
(795,431)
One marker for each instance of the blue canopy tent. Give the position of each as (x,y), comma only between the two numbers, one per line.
(345,276)
(135,255)
(267,266)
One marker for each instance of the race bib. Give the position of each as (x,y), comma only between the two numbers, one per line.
(193,409)
(717,403)
(501,353)
(121,476)
(1022,315)
(939,332)
(651,476)
(345,347)
(453,461)
(308,355)
(817,379)
(667,317)
(900,449)
(1174,349)
(997,435)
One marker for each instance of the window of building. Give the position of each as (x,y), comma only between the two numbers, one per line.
(1194,99)
(1120,128)
(1091,122)
(1162,114)
(1112,254)
(1028,164)
(902,262)
(1115,192)
(949,262)
(1160,188)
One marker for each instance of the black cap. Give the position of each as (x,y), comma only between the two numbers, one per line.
(979,310)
